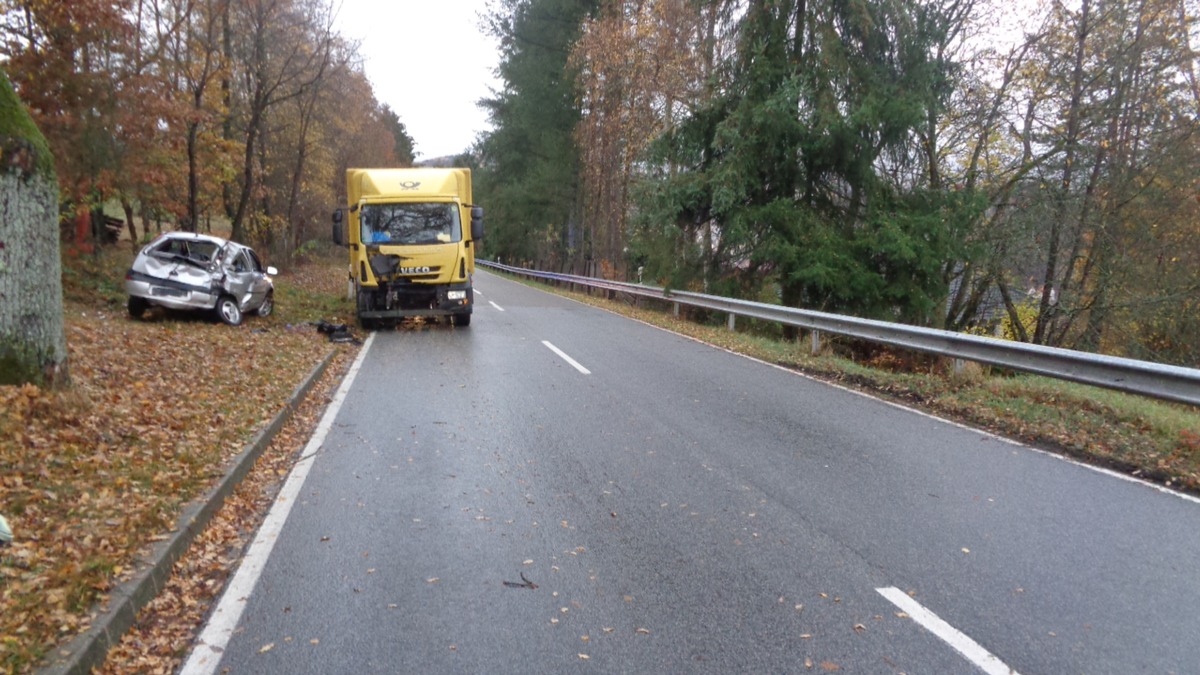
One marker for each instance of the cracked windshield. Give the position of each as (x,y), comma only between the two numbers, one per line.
(410,224)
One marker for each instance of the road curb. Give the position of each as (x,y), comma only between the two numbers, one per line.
(89,649)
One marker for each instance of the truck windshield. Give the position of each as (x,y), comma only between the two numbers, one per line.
(408,224)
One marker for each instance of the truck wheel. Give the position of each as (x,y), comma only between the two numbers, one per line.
(228,310)
(137,306)
(462,320)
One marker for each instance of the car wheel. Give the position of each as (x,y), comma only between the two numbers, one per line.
(137,306)
(228,311)
(462,320)
(268,305)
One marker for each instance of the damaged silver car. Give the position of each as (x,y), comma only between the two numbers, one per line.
(182,270)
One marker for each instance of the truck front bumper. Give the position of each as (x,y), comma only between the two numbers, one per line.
(410,300)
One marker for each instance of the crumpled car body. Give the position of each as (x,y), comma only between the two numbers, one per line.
(187,271)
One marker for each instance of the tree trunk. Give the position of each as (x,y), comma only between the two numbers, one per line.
(127,207)
(1047,305)
(33,348)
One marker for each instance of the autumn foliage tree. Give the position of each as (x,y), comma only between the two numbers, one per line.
(69,61)
(241,113)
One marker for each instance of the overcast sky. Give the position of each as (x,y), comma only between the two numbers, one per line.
(430,62)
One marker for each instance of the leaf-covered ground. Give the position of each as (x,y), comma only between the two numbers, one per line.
(96,473)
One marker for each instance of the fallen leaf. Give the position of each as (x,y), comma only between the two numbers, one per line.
(644,631)
(314,641)
(584,657)
(829,666)
(966,550)
(858,628)
(266,648)
(432,580)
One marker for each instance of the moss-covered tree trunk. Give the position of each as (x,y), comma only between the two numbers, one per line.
(32,345)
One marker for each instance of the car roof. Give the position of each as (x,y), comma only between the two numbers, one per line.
(193,236)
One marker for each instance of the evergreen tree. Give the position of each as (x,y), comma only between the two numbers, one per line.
(529,173)
(786,162)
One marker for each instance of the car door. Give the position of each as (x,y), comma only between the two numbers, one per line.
(244,280)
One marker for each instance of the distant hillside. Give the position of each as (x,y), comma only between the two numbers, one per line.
(445,162)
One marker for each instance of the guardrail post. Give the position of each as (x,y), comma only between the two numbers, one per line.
(959,364)
(732,322)
(675,309)
(816,342)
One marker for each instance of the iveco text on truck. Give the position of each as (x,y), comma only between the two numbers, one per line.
(412,235)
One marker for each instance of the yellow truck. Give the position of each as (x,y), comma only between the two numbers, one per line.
(412,235)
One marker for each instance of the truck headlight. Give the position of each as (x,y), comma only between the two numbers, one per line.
(456,295)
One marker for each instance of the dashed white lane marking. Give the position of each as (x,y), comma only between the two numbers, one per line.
(566,358)
(975,653)
(206,653)
(495,305)
(477,291)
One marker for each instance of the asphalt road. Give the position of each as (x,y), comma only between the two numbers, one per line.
(683,509)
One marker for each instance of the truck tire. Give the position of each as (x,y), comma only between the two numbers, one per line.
(461,320)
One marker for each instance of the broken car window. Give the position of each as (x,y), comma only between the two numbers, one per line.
(408,224)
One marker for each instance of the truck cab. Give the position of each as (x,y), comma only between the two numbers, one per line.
(411,234)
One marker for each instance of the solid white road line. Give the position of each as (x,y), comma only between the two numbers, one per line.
(206,653)
(495,305)
(975,653)
(566,358)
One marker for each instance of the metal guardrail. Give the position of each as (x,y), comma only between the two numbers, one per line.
(1156,380)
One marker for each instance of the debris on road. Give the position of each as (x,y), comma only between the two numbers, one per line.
(525,583)
(337,332)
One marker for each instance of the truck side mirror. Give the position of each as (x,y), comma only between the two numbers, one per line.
(476,223)
(339,232)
